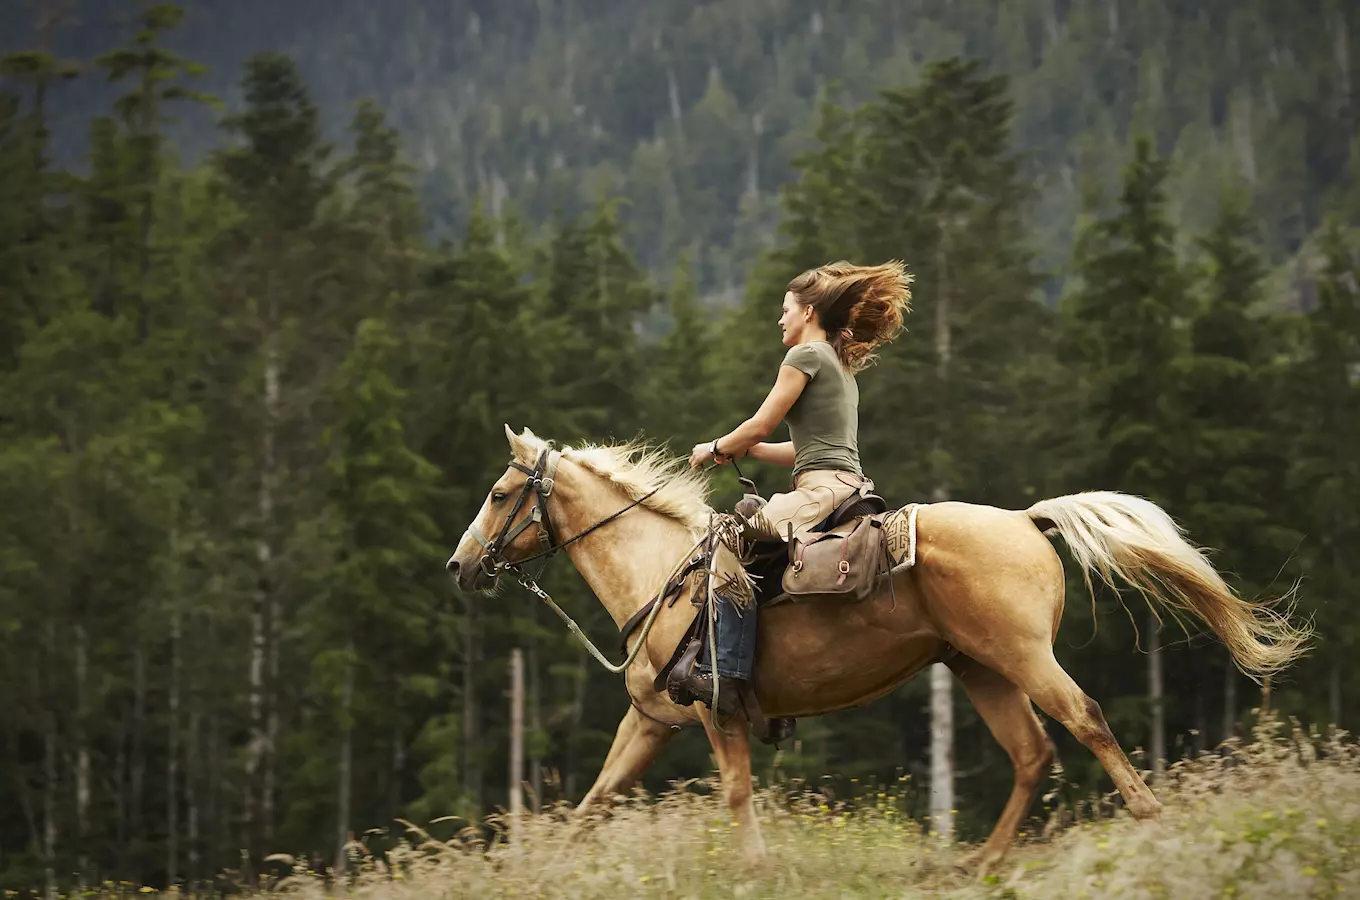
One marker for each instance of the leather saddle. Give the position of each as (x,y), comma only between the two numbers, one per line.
(769,562)
(836,549)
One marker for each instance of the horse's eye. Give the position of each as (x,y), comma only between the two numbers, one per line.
(498,497)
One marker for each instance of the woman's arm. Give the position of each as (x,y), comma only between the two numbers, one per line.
(788,387)
(780,454)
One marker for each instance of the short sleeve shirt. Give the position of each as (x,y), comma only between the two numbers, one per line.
(824,420)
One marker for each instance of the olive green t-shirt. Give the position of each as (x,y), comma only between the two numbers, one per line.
(824,420)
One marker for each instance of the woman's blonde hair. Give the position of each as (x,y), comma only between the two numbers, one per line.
(860,307)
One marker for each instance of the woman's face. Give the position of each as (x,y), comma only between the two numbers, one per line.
(795,318)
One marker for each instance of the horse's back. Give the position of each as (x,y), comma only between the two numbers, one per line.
(980,573)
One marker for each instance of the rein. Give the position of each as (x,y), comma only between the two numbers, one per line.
(540,483)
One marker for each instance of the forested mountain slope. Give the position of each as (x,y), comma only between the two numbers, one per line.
(694,111)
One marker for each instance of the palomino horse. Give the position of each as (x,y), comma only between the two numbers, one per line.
(985,597)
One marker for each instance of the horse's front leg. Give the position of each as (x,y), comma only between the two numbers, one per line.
(733,752)
(637,744)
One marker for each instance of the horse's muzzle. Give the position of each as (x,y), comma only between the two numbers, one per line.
(470,579)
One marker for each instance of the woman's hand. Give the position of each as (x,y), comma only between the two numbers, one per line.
(701,454)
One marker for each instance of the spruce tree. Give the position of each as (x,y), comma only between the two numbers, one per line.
(1132,292)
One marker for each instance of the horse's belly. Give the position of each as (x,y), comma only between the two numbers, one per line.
(819,657)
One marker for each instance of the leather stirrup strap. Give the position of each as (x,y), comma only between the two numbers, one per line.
(760,726)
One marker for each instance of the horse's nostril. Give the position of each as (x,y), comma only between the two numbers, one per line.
(452,566)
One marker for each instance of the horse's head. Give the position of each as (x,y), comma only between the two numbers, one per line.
(512,524)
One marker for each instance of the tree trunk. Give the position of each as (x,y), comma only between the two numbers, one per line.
(192,773)
(214,810)
(535,715)
(271,745)
(1157,740)
(138,759)
(573,723)
(275,616)
(516,774)
(346,763)
(172,751)
(50,806)
(263,607)
(472,774)
(395,798)
(50,771)
(941,751)
(1201,720)
(1334,693)
(82,740)
(941,681)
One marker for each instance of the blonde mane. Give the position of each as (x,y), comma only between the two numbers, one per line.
(637,468)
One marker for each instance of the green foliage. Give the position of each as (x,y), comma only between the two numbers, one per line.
(248,405)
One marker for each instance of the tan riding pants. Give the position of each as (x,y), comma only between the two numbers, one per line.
(815,496)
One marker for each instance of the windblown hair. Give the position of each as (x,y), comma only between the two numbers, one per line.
(637,468)
(861,307)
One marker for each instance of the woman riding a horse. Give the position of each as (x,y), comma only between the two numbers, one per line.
(833,319)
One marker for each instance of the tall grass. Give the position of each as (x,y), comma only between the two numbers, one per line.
(1274,818)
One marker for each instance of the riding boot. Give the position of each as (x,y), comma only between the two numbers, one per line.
(700,686)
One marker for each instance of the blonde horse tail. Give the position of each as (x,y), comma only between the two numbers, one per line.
(1114,534)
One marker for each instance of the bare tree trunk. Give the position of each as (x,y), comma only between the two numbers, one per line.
(138,757)
(255,749)
(346,763)
(1201,719)
(215,811)
(82,751)
(192,773)
(941,751)
(1229,700)
(50,769)
(1157,740)
(50,806)
(941,681)
(257,802)
(1334,693)
(271,755)
(535,714)
(573,723)
(516,774)
(172,750)
(472,767)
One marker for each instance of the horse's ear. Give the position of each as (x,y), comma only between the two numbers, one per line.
(509,435)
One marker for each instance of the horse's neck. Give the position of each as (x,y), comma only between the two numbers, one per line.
(626,561)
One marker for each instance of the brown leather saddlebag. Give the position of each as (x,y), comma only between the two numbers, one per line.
(842,564)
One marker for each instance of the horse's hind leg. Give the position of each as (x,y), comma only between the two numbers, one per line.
(1009,715)
(637,743)
(1034,670)
(733,752)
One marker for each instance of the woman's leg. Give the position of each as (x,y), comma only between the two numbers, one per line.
(816,496)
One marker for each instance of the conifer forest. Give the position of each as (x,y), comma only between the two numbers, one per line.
(274,275)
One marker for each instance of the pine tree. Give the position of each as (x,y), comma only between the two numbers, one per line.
(1132,292)
(1233,467)
(276,177)
(368,625)
(1325,476)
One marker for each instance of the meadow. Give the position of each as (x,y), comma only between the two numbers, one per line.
(1275,817)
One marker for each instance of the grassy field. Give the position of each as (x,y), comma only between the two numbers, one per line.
(1277,818)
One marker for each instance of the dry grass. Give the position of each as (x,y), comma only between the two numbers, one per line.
(1277,818)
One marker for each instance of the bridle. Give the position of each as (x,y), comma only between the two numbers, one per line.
(539,485)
